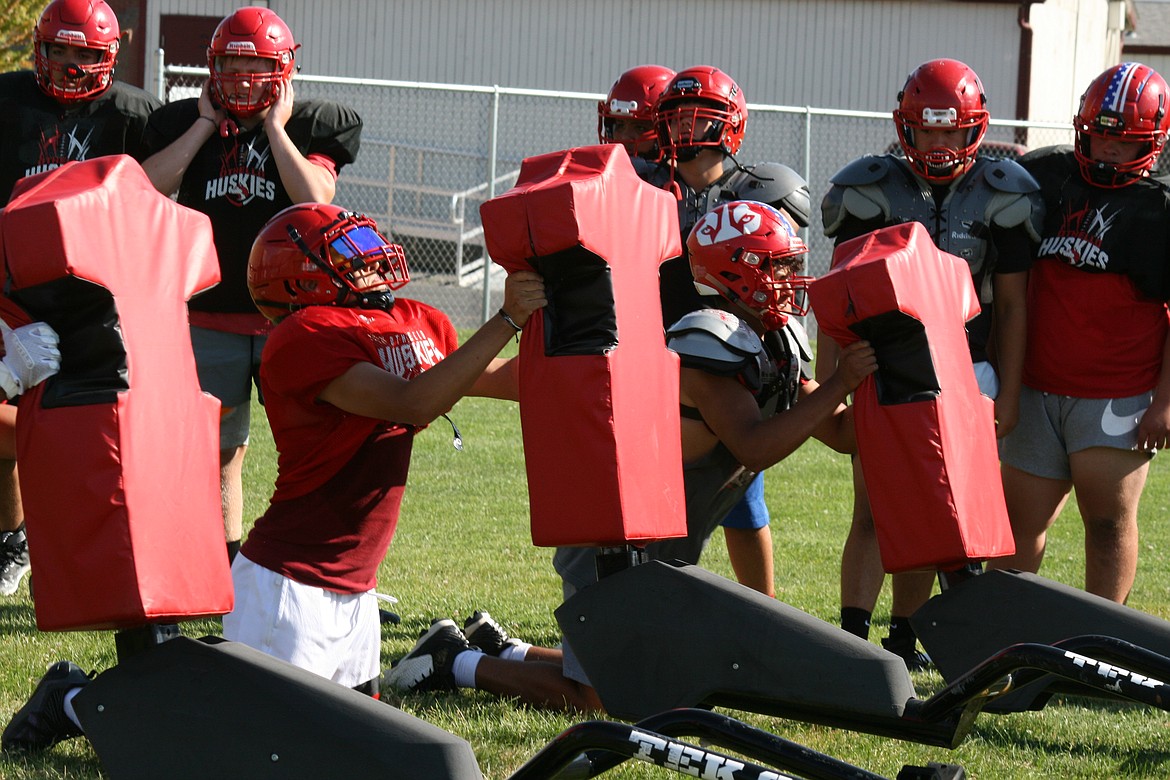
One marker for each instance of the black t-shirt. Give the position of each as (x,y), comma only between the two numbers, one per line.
(235,181)
(38,134)
(1122,230)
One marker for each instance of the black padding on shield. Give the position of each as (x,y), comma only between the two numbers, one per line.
(209,708)
(905,369)
(581,317)
(93,353)
(664,635)
(977,618)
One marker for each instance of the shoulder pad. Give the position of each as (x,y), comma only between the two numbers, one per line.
(715,340)
(799,335)
(1009,176)
(869,169)
(777,185)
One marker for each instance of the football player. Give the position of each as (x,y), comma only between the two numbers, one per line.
(986,212)
(241,152)
(1096,399)
(69,107)
(349,374)
(700,121)
(626,116)
(747,402)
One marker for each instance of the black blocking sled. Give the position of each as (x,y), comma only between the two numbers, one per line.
(189,708)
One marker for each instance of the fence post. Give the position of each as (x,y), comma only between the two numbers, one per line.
(493,144)
(161,81)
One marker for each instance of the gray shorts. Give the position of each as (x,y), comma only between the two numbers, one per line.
(228,365)
(1052,427)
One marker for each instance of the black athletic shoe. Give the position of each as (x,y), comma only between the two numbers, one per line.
(430,663)
(42,722)
(482,631)
(13,561)
(915,659)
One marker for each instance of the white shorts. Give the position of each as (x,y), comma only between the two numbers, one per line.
(335,635)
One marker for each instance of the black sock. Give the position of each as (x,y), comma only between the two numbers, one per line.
(855,620)
(233,548)
(901,631)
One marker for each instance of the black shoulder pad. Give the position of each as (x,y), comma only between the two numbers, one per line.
(1009,176)
(777,185)
(869,169)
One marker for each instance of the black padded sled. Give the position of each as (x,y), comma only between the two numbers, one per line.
(210,708)
(980,616)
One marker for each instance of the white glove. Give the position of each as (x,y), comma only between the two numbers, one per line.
(30,356)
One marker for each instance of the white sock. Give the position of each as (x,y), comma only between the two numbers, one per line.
(515,651)
(463,670)
(69,711)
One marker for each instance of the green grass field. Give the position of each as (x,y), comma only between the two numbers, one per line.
(463,543)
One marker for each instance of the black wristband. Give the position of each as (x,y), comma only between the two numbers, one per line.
(510,321)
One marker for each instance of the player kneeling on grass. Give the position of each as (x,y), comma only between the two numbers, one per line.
(747,402)
(349,374)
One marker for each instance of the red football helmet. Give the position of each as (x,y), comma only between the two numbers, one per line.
(1127,102)
(941,94)
(632,98)
(319,254)
(250,32)
(749,253)
(701,107)
(85,24)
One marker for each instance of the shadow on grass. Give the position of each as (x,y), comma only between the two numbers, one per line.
(17,618)
(1018,735)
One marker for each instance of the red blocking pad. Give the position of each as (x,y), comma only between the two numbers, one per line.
(925,434)
(598,387)
(119,453)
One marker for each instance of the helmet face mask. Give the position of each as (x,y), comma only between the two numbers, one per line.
(702,108)
(626,115)
(1125,103)
(318,254)
(750,255)
(75,47)
(938,95)
(251,54)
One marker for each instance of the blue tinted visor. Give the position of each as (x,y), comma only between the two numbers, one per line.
(358,242)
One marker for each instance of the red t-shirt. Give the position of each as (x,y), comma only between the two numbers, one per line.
(340,476)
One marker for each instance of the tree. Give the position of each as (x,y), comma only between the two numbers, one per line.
(16,32)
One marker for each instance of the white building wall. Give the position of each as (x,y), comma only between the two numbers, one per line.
(827,53)
(1074,41)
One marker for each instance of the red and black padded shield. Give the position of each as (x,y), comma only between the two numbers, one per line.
(925,434)
(119,469)
(598,387)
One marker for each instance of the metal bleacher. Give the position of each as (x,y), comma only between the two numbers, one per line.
(429,198)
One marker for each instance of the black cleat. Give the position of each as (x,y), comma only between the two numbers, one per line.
(429,666)
(42,722)
(482,631)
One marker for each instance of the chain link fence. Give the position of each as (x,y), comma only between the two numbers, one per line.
(432,153)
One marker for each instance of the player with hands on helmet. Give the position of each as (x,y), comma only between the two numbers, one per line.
(1097,296)
(241,152)
(747,401)
(985,212)
(350,375)
(67,108)
(626,115)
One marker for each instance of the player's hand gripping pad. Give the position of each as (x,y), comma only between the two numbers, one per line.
(925,435)
(119,453)
(598,387)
